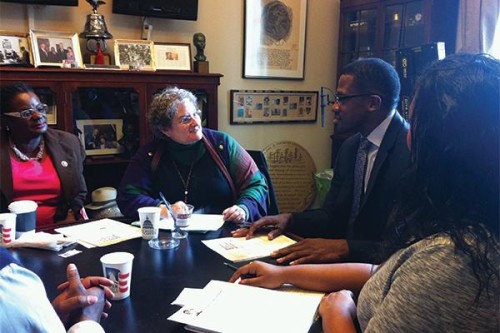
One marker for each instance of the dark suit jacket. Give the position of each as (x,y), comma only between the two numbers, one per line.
(68,155)
(383,190)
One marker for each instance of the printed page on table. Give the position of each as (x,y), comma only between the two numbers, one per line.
(241,249)
(100,233)
(221,310)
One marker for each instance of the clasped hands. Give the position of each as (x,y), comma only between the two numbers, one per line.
(305,251)
(82,299)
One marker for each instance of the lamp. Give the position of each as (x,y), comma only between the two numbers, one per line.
(96,31)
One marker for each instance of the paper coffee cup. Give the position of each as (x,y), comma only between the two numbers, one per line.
(149,217)
(26,216)
(117,267)
(7,228)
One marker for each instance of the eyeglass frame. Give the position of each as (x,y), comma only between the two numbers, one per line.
(339,98)
(186,119)
(40,108)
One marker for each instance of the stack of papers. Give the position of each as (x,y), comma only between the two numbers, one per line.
(197,223)
(241,249)
(100,233)
(231,307)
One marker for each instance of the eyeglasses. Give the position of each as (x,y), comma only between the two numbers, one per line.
(28,113)
(188,117)
(338,98)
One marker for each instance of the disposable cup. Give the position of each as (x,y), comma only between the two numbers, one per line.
(26,216)
(149,217)
(117,267)
(7,228)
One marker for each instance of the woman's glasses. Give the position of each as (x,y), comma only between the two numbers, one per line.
(28,113)
(188,117)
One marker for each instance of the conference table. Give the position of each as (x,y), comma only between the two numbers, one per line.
(158,276)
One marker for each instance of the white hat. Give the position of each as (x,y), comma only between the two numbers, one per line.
(103,197)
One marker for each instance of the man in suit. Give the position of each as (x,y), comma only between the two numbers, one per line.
(346,228)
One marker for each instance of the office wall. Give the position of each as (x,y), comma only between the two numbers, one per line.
(222,23)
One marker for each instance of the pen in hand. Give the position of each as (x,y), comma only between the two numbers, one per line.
(243,276)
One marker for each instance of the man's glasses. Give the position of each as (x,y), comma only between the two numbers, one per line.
(339,98)
(28,113)
(188,117)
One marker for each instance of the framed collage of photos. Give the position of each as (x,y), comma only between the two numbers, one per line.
(269,106)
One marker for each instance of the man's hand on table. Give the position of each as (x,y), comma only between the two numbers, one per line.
(313,251)
(278,223)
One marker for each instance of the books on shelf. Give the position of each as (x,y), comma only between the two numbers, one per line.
(410,64)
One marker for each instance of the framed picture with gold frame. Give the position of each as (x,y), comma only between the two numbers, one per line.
(135,54)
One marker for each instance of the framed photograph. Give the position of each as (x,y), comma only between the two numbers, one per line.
(135,54)
(173,56)
(274,42)
(14,49)
(269,106)
(100,136)
(56,49)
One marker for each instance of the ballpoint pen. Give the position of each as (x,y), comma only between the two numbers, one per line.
(243,276)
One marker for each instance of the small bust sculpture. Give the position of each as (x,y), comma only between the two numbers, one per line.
(199,42)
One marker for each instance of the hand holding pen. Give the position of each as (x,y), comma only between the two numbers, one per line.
(259,274)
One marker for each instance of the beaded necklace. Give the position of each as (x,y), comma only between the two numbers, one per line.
(23,157)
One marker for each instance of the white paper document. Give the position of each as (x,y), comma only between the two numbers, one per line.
(100,233)
(233,308)
(241,249)
(197,223)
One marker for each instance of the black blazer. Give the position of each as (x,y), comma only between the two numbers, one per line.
(67,154)
(393,160)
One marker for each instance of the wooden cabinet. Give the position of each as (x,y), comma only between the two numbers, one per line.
(377,28)
(113,103)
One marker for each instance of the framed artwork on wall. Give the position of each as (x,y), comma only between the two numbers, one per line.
(274,41)
(14,49)
(173,56)
(269,106)
(58,49)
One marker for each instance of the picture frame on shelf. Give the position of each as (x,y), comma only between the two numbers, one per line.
(173,56)
(274,39)
(56,49)
(15,49)
(134,54)
(100,136)
(272,106)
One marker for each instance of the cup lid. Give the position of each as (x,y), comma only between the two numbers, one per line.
(22,206)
